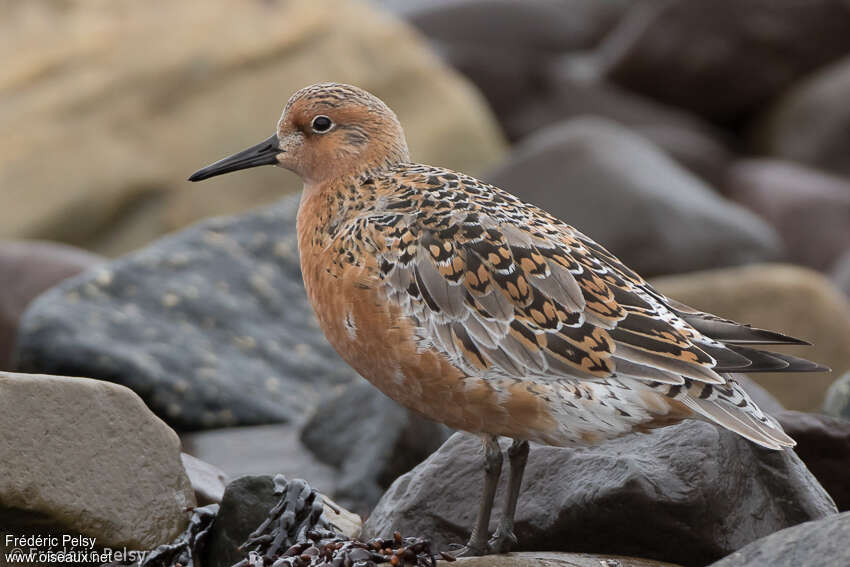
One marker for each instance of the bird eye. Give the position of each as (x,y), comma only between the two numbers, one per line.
(322,124)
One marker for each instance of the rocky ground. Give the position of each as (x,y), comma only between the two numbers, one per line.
(153,388)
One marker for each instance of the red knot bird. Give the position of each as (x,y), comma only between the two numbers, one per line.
(488,314)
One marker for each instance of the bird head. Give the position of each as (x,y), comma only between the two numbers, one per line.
(327,131)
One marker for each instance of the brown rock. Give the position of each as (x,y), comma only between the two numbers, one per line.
(26,269)
(789,299)
(809,209)
(811,121)
(133,122)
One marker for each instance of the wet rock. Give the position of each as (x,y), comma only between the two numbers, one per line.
(261,450)
(809,209)
(724,59)
(837,400)
(370,440)
(89,457)
(207,481)
(244,507)
(810,122)
(152,116)
(823,443)
(789,299)
(823,542)
(27,268)
(624,193)
(211,326)
(555,559)
(704,488)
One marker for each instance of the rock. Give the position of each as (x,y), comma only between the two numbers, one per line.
(78,81)
(555,559)
(207,481)
(370,439)
(810,123)
(690,141)
(841,273)
(211,326)
(837,400)
(823,443)
(621,191)
(789,299)
(28,268)
(704,488)
(724,59)
(508,53)
(261,450)
(89,457)
(823,542)
(544,26)
(245,506)
(809,209)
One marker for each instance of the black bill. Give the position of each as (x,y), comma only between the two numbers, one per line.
(264,153)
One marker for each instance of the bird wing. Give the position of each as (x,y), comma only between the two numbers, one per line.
(503,288)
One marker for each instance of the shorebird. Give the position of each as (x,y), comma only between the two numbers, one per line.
(488,314)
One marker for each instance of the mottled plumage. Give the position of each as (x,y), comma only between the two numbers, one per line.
(481,311)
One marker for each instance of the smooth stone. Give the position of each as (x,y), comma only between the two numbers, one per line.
(823,442)
(626,194)
(88,455)
(207,481)
(792,300)
(810,209)
(28,268)
(724,59)
(810,122)
(690,494)
(822,542)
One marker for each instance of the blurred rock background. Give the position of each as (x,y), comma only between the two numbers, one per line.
(706,143)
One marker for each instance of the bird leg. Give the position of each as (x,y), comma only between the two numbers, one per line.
(477,544)
(504,537)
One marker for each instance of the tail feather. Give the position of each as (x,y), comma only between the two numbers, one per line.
(732,408)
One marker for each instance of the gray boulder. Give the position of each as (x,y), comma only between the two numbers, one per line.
(689,494)
(623,192)
(823,542)
(211,326)
(724,59)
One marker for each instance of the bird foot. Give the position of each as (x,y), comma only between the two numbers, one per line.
(502,541)
(471,549)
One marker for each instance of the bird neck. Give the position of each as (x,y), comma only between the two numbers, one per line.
(325,206)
